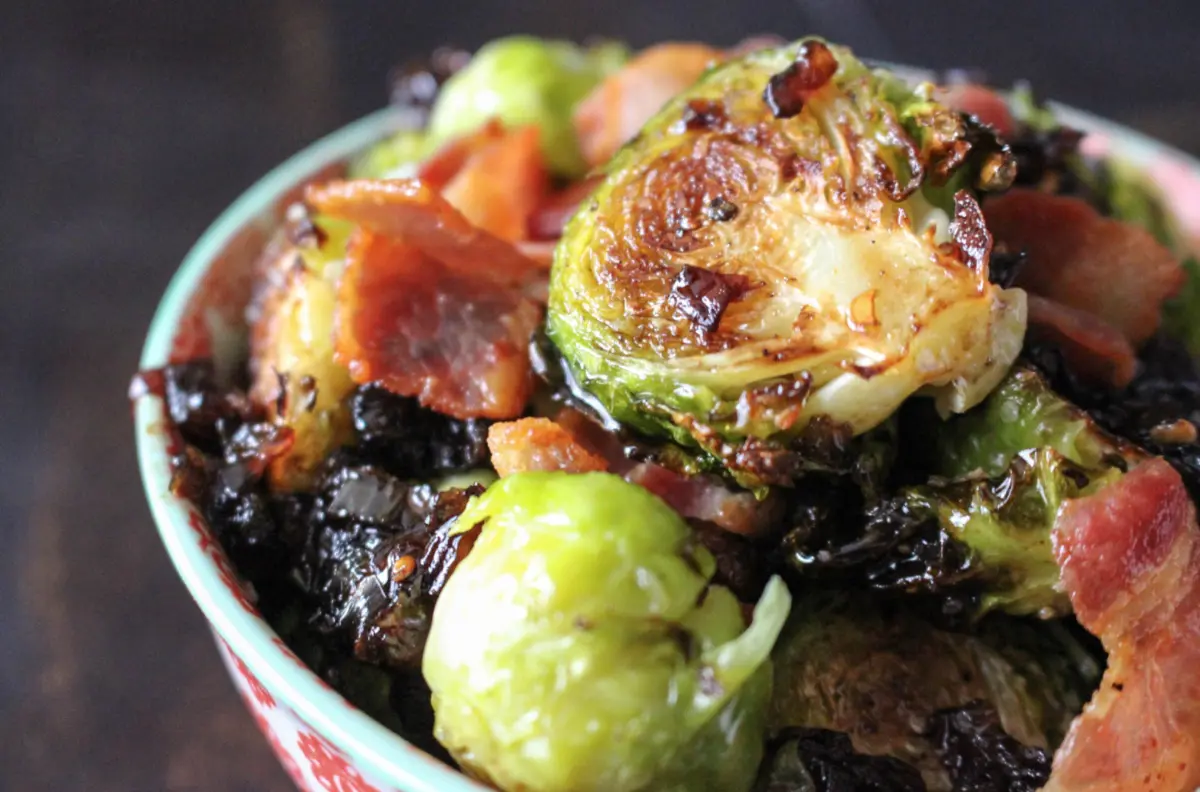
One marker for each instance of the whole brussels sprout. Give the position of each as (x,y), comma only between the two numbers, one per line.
(793,237)
(581,646)
(526,80)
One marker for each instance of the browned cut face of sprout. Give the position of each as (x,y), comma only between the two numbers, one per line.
(792,238)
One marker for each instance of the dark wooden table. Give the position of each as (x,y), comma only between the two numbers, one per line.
(125,127)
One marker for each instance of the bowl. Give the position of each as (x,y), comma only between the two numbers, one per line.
(322,741)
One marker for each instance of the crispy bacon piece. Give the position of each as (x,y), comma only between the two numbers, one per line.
(1130,560)
(979,101)
(1113,270)
(412,211)
(539,444)
(572,438)
(617,108)
(429,305)
(501,184)
(1094,349)
(703,497)
(442,166)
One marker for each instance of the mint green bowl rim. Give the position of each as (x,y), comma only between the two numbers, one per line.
(383,752)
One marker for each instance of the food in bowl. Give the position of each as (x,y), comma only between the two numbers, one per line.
(742,419)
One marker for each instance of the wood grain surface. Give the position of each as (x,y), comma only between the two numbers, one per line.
(126,127)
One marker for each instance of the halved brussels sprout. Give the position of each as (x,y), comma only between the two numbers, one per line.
(793,237)
(526,80)
(295,376)
(581,646)
(877,673)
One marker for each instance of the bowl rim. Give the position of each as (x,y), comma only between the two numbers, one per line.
(249,636)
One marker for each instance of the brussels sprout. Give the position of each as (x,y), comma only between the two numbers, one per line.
(1037,451)
(1022,414)
(1181,314)
(1129,194)
(793,237)
(877,672)
(526,80)
(1029,112)
(393,157)
(295,376)
(980,529)
(581,645)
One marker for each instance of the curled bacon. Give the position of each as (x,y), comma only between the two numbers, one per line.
(1094,349)
(429,305)
(442,166)
(1130,560)
(617,108)
(539,444)
(706,498)
(1115,271)
(412,211)
(501,184)
(573,442)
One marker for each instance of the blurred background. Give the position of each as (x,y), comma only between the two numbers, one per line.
(125,127)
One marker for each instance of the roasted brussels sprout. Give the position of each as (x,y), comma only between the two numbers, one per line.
(876,671)
(525,80)
(793,237)
(1129,194)
(582,646)
(393,157)
(295,376)
(978,533)
(1181,314)
(1022,414)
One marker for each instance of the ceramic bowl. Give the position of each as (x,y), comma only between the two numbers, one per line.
(324,743)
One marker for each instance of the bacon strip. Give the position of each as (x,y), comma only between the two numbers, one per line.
(704,498)
(575,443)
(429,305)
(411,210)
(500,185)
(1115,271)
(539,444)
(439,168)
(1094,349)
(617,108)
(1130,560)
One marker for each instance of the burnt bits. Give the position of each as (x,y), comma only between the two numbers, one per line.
(787,91)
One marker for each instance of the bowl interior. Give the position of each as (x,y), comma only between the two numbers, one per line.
(202,315)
